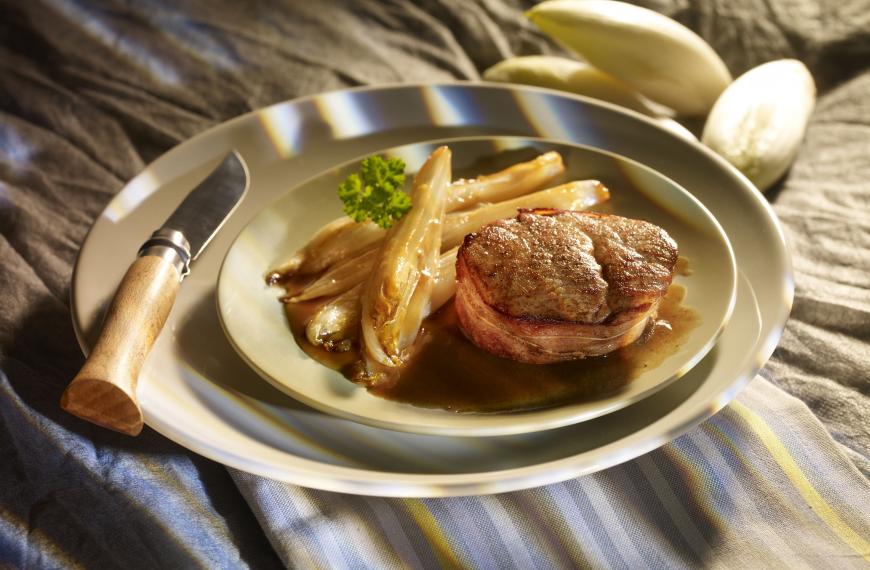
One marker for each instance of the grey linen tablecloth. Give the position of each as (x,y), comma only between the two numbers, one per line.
(90,92)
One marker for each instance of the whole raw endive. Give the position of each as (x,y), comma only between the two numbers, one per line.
(758,123)
(581,78)
(568,75)
(655,55)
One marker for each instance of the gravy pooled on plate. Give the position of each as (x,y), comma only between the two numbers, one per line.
(447,371)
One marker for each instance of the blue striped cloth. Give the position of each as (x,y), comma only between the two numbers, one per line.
(759,485)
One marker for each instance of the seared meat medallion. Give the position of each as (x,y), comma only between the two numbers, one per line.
(555,285)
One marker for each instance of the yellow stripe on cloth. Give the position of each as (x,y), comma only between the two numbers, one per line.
(434,534)
(801,483)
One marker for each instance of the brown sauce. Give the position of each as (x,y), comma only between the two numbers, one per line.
(447,371)
(682,267)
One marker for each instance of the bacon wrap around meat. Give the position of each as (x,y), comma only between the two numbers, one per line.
(555,285)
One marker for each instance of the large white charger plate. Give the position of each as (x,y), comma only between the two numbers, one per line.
(255,323)
(195,389)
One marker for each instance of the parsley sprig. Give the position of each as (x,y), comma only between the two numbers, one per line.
(375,193)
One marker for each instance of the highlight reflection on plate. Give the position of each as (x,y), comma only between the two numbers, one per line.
(254,321)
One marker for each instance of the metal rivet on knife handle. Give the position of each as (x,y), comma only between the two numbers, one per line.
(104,390)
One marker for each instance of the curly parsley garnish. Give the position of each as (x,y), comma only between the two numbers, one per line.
(375,193)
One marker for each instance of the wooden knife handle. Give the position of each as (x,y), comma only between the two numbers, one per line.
(104,390)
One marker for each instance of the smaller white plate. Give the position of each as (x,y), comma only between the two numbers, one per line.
(254,321)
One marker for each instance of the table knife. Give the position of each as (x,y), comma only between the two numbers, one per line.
(104,390)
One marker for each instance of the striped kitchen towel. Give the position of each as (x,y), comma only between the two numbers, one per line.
(759,485)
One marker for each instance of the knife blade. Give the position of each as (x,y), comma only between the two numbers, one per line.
(104,390)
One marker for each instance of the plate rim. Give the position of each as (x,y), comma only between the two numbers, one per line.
(525,417)
(761,352)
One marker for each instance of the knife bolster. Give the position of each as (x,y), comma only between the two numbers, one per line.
(170,245)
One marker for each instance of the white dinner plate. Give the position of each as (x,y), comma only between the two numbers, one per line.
(254,319)
(196,390)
